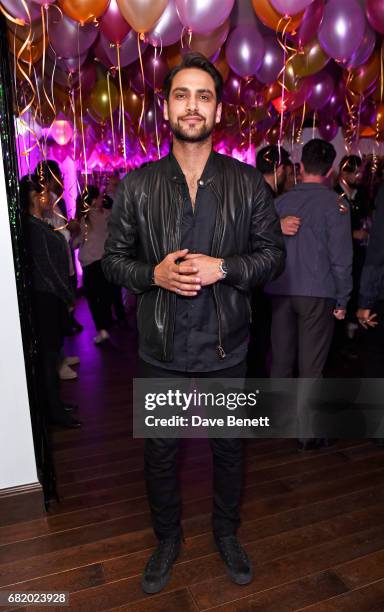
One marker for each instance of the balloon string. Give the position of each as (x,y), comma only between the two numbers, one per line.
(300,130)
(142,144)
(382,71)
(81,115)
(122,106)
(111,112)
(314,124)
(43,62)
(15,20)
(155,105)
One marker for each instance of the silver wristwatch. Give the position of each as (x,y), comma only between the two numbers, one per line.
(223,268)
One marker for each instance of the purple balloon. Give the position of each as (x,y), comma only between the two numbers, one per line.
(88,76)
(342,29)
(335,102)
(250,94)
(203,17)
(328,129)
(322,90)
(310,22)
(368,112)
(43,2)
(155,68)
(375,14)
(272,61)
(128,49)
(231,90)
(365,49)
(67,37)
(71,64)
(290,7)
(167,30)
(244,50)
(135,77)
(100,54)
(113,25)
(17,10)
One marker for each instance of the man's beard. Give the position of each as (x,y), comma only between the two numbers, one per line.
(180,134)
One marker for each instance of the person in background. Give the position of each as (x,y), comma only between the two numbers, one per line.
(315,286)
(89,236)
(290,177)
(51,295)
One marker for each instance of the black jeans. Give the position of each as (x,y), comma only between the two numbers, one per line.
(160,465)
(98,292)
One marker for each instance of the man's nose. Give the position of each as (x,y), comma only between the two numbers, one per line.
(192,104)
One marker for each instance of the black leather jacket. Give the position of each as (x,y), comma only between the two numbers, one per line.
(144,227)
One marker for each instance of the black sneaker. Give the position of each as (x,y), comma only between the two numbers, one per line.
(158,569)
(236,559)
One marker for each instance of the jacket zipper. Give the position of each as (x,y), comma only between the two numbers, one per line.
(173,296)
(215,250)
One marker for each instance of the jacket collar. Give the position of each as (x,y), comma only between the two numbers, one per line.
(175,173)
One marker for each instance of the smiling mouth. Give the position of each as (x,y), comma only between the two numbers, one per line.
(192,118)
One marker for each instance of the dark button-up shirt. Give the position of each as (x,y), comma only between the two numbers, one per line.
(196,325)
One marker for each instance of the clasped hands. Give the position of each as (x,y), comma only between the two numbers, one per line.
(187,277)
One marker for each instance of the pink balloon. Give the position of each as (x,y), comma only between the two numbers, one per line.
(167,31)
(290,7)
(203,17)
(17,10)
(342,29)
(59,152)
(244,50)
(155,68)
(113,25)
(328,130)
(310,22)
(67,37)
(128,49)
(365,50)
(231,90)
(322,90)
(375,12)
(272,61)
(62,131)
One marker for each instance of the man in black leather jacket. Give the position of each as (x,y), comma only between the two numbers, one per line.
(191,234)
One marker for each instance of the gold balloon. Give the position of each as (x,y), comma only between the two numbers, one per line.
(274,20)
(208,44)
(291,78)
(100,102)
(222,66)
(272,92)
(84,10)
(272,135)
(378,93)
(142,14)
(258,113)
(173,56)
(312,60)
(133,104)
(32,52)
(378,120)
(365,75)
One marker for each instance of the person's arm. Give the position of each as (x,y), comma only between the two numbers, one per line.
(266,259)
(372,277)
(338,226)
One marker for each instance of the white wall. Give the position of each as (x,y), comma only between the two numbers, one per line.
(17,458)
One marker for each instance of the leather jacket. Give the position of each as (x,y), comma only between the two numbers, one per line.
(144,227)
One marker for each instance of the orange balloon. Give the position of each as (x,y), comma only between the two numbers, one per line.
(222,66)
(365,75)
(274,20)
(84,10)
(272,92)
(141,14)
(133,104)
(208,44)
(173,56)
(100,102)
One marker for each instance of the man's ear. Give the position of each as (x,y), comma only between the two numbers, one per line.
(165,111)
(219,110)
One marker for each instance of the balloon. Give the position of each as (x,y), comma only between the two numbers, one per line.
(222,66)
(71,64)
(367,113)
(272,92)
(88,76)
(365,48)
(375,14)
(273,134)
(43,2)
(99,52)
(259,110)
(113,25)
(99,100)
(167,30)
(328,130)
(17,10)
(272,61)
(128,49)
(322,90)
(231,90)
(155,68)
(296,99)
(342,29)
(290,7)
(250,94)
(142,14)
(310,22)
(378,119)
(203,17)
(335,102)
(173,56)
(67,38)
(208,44)
(132,104)
(83,10)
(59,152)
(32,52)
(377,94)
(365,75)
(61,131)
(312,60)
(273,19)
(244,50)
(135,77)
(153,116)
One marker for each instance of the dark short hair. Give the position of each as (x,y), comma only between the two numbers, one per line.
(85,199)
(318,156)
(195,60)
(350,163)
(269,158)
(28,185)
(48,169)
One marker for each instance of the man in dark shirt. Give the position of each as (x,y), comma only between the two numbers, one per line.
(191,234)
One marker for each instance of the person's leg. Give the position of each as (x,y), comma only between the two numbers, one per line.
(90,285)
(315,329)
(283,337)
(117,301)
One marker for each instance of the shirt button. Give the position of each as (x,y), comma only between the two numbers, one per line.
(201,183)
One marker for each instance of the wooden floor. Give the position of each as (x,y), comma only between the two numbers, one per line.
(312,522)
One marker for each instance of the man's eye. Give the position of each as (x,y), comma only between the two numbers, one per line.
(180,96)
(205,98)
